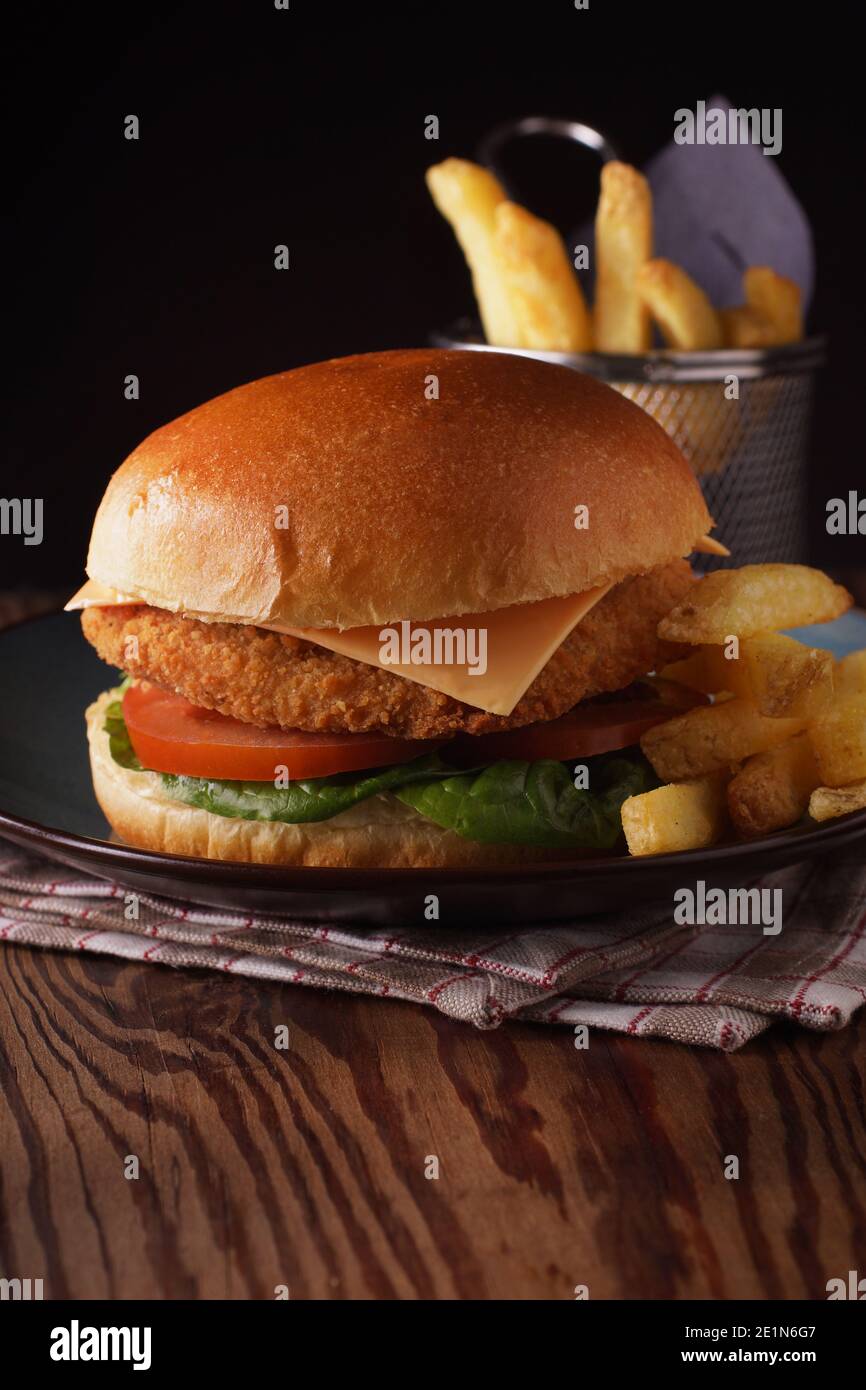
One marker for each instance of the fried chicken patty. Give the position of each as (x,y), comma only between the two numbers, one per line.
(268,679)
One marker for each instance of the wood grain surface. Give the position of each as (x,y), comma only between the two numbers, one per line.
(305,1167)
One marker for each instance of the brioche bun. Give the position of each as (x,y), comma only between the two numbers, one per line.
(340,495)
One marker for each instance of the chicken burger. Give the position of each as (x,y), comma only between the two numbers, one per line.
(391,610)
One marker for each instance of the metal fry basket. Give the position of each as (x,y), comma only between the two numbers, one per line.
(741,418)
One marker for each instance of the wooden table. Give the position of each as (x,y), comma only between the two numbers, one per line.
(306,1167)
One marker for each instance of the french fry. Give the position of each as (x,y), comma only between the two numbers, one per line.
(745,327)
(687,815)
(788,678)
(710,670)
(752,600)
(851,674)
(726,673)
(691,670)
(783,677)
(623,241)
(828,802)
(542,286)
(771,790)
(682,311)
(677,695)
(838,739)
(776,299)
(467,196)
(712,738)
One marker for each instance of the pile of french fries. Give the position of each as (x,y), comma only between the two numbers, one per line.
(785,733)
(529,295)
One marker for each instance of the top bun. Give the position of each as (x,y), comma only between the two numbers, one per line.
(414,484)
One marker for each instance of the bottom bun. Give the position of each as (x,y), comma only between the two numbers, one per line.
(380,833)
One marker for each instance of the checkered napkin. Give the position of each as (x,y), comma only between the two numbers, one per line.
(638,972)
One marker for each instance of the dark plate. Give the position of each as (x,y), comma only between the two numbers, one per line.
(49,674)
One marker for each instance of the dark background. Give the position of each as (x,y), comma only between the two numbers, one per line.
(306,127)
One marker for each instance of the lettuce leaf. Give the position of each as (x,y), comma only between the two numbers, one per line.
(537,803)
(314,799)
(118,736)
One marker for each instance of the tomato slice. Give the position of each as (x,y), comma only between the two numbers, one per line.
(169,734)
(584,731)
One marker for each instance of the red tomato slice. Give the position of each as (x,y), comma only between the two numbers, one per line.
(171,735)
(584,731)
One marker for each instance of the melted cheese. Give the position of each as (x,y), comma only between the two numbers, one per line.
(520,640)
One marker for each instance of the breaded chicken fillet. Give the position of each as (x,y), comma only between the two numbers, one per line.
(268,679)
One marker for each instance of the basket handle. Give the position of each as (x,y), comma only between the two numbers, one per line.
(492,143)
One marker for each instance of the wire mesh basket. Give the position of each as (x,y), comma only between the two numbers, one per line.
(740,417)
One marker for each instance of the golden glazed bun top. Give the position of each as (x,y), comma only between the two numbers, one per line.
(341,494)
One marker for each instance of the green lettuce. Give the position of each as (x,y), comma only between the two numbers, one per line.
(313,799)
(118,736)
(537,803)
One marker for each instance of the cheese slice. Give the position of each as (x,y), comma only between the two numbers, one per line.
(507,648)
(708,545)
(511,644)
(92,594)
